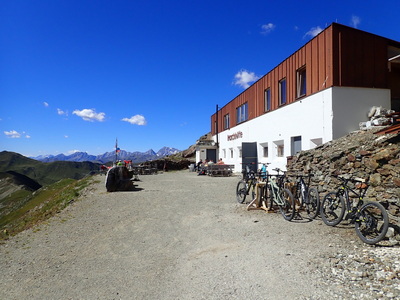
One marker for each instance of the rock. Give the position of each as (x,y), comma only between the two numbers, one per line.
(118,179)
(351,157)
(371,163)
(375,179)
(396,181)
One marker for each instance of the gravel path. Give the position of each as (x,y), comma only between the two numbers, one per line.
(183,236)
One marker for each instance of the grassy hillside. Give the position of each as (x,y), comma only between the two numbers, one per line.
(23,209)
(45,173)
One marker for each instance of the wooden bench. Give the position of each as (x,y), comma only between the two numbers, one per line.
(220,170)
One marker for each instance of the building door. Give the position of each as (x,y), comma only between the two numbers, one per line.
(249,155)
(212,155)
(394,76)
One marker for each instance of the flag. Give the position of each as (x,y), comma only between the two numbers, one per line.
(116,146)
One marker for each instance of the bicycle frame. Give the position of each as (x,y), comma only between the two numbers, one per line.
(302,188)
(275,184)
(344,190)
(370,217)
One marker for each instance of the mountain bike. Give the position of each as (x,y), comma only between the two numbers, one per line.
(306,197)
(260,198)
(279,195)
(370,218)
(247,185)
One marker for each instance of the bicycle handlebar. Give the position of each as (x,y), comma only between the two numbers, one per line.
(300,175)
(352,179)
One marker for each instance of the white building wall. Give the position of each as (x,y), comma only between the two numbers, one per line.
(310,118)
(317,119)
(351,106)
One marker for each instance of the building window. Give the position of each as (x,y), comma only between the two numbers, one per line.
(280,151)
(224,152)
(282,91)
(301,82)
(267,99)
(226,121)
(231,152)
(240,151)
(241,113)
(280,148)
(265,151)
(296,144)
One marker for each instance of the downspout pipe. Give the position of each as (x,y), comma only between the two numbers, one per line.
(216,127)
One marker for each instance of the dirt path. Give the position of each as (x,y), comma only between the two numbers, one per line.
(179,236)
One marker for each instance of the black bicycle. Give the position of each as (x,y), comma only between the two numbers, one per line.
(306,197)
(370,218)
(247,185)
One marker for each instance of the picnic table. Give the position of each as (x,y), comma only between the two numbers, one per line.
(220,170)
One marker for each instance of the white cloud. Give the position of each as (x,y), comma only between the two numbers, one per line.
(90,115)
(136,120)
(28,136)
(355,21)
(61,112)
(243,78)
(66,136)
(12,134)
(45,104)
(73,151)
(313,32)
(267,28)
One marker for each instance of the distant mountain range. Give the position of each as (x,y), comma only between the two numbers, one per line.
(136,157)
(21,170)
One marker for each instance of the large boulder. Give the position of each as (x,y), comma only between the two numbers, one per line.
(119,179)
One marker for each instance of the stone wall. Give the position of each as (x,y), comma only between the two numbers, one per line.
(362,154)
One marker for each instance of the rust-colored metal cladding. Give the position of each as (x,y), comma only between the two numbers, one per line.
(338,56)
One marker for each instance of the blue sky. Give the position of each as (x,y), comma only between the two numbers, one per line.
(76,75)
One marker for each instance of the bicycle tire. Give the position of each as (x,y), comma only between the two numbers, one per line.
(241,191)
(332,209)
(269,199)
(288,209)
(312,204)
(372,223)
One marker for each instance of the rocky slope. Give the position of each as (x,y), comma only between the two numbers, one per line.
(362,154)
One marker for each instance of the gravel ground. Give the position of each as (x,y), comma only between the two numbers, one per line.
(183,236)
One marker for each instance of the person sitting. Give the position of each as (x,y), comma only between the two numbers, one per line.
(203,168)
(199,164)
(220,162)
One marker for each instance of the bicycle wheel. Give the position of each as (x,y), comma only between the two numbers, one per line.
(372,223)
(241,191)
(332,209)
(312,203)
(287,206)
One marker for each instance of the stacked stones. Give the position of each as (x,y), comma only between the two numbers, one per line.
(361,154)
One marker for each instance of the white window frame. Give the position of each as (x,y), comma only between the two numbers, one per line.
(226,121)
(242,113)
